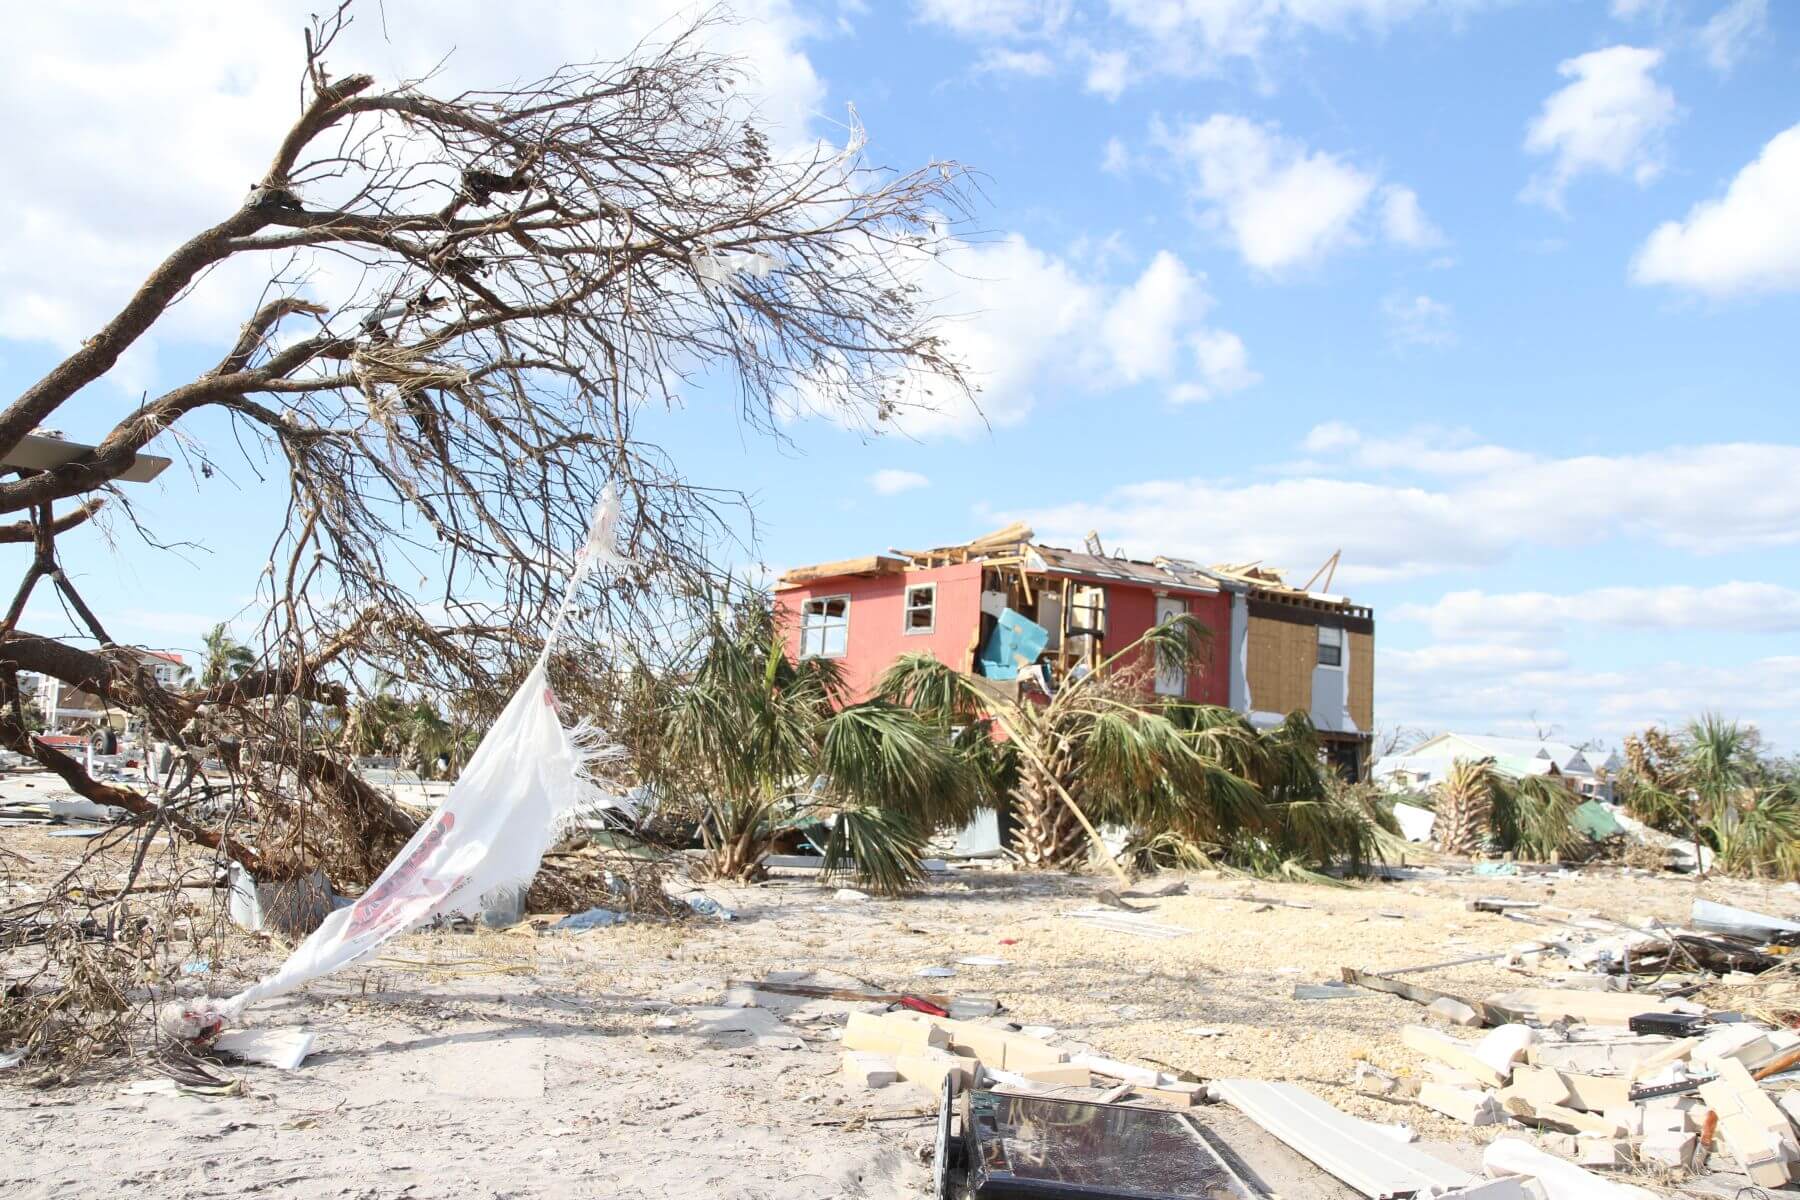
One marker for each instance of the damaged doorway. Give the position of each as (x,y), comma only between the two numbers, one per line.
(1170,682)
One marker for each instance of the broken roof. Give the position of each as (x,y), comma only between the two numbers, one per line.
(1015,545)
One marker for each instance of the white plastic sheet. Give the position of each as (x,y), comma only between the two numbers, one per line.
(528,777)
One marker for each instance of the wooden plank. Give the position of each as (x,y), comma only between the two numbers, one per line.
(1490,1014)
(1450,1052)
(1547,1005)
(868,564)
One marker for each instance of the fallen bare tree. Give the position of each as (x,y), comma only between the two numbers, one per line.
(468,301)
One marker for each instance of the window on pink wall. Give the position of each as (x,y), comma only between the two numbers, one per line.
(921,609)
(825,627)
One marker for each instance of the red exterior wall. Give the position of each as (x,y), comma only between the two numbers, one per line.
(877,609)
(877,606)
(1131,611)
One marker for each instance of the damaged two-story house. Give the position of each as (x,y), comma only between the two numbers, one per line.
(1007,608)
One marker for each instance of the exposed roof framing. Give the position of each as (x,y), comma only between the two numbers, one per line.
(1014,546)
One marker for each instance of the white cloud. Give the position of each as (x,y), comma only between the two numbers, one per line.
(1609,118)
(1630,10)
(995,18)
(1418,320)
(1732,31)
(890,481)
(1026,322)
(1736,607)
(1420,504)
(1223,365)
(1125,41)
(1140,330)
(1199,36)
(1481,658)
(1404,222)
(1281,205)
(1116,159)
(1746,241)
(1108,73)
(1002,61)
(1500,688)
(132,128)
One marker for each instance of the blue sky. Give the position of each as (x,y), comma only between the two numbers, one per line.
(1497,297)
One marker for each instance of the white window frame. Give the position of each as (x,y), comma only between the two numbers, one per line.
(823,628)
(906,609)
(1336,642)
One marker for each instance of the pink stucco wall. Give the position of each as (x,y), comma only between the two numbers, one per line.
(877,637)
(877,610)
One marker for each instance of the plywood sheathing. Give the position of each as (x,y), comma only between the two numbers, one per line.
(1362,681)
(1280,667)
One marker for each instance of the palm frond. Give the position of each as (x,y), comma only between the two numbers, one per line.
(879,848)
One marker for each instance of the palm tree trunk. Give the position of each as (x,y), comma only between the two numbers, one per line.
(1046,835)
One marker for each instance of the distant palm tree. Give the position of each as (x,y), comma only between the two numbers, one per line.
(226,658)
(1465,803)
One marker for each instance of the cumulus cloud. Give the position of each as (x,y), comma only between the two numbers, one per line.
(1002,61)
(1108,73)
(1739,607)
(1418,320)
(1608,118)
(1421,504)
(995,18)
(1744,242)
(1280,204)
(114,158)
(1509,688)
(890,481)
(1404,222)
(1124,41)
(1025,322)
(1732,31)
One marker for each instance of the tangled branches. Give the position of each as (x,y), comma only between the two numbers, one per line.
(471,300)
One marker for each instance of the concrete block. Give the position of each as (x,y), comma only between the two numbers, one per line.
(929,1069)
(865,1070)
(1629,1117)
(1595,1151)
(1467,1105)
(1670,1149)
(1453,1012)
(892,1034)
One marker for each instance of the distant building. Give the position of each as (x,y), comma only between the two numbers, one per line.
(1427,764)
(62,703)
(1011,610)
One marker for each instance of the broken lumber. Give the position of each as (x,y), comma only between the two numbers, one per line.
(1489,1012)
(1451,1053)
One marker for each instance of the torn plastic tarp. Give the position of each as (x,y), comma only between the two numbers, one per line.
(526,779)
(1593,819)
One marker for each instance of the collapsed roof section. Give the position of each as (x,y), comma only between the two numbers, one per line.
(1015,546)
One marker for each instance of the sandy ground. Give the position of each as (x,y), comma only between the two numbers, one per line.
(537,1063)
